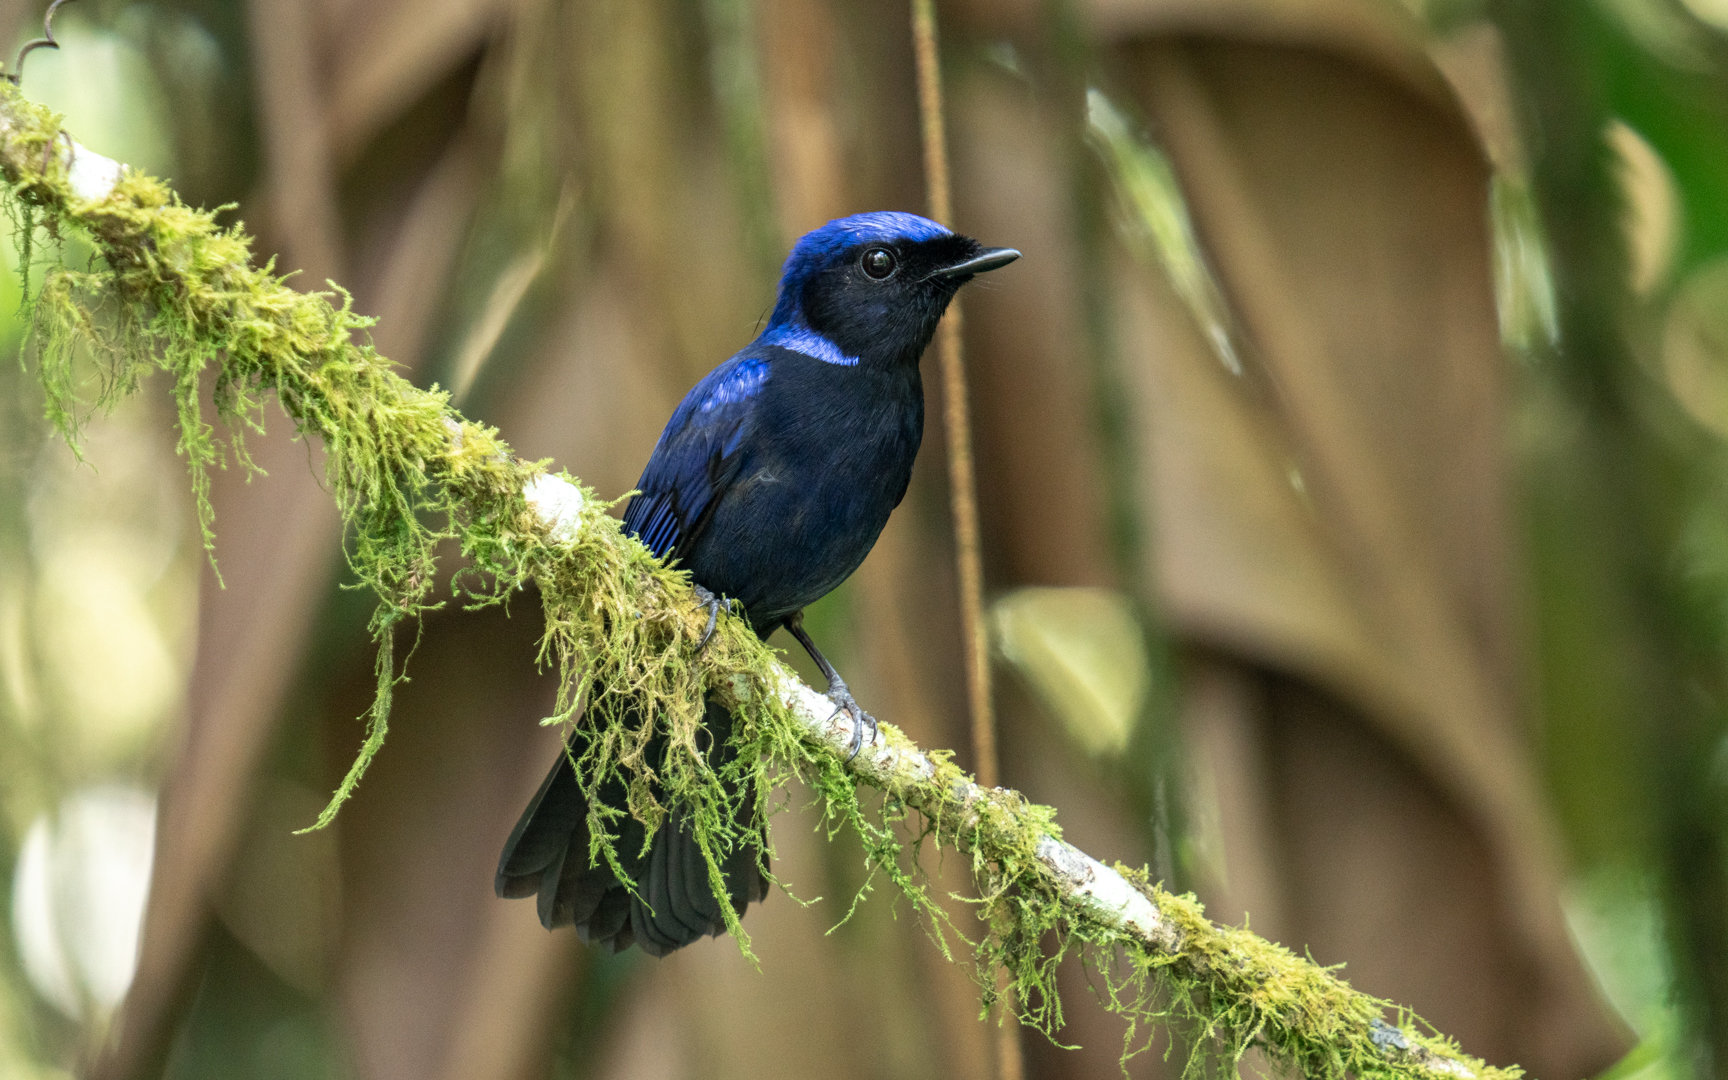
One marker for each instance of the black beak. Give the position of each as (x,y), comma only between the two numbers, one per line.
(988,259)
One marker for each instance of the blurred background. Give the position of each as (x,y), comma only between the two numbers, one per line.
(1353,450)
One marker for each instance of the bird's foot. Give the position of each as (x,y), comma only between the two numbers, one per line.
(713,603)
(844,702)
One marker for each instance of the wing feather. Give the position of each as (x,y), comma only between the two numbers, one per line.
(698,457)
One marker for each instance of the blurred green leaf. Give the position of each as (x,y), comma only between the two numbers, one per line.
(1153,215)
(1695,346)
(1082,650)
(1523,282)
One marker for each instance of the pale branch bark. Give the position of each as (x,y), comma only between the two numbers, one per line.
(1249,992)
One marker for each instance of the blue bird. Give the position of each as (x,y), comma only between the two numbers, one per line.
(770,484)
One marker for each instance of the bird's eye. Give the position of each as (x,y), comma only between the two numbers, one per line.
(878,263)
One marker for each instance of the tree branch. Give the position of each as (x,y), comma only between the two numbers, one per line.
(181,294)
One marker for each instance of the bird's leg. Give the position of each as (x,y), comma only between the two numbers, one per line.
(837,691)
(713,603)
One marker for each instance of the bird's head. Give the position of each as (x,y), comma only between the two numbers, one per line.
(870,288)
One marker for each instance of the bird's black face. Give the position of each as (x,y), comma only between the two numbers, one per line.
(881,300)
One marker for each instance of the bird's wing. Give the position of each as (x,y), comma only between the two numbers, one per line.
(697,458)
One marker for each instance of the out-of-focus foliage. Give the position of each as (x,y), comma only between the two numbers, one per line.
(1617,921)
(1153,214)
(98,590)
(1083,650)
(1523,284)
(1625,108)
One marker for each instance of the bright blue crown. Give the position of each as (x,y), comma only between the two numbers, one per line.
(883,227)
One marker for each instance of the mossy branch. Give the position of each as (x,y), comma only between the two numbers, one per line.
(174,291)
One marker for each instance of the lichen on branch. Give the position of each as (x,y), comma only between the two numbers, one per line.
(171,291)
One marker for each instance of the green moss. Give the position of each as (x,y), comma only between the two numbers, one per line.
(172,291)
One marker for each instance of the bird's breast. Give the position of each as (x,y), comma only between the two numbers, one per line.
(830,460)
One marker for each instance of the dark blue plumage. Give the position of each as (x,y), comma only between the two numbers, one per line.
(770,484)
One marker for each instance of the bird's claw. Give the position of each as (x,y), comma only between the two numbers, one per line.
(713,603)
(844,702)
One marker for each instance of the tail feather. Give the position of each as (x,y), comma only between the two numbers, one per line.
(698,895)
(658,930)
(668,877)
(546,899)
(610,924)
(541,837)
(580,886)
(547,856)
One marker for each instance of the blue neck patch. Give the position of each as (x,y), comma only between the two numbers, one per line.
(801,339)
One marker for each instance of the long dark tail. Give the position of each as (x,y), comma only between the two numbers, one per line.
(547,856)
